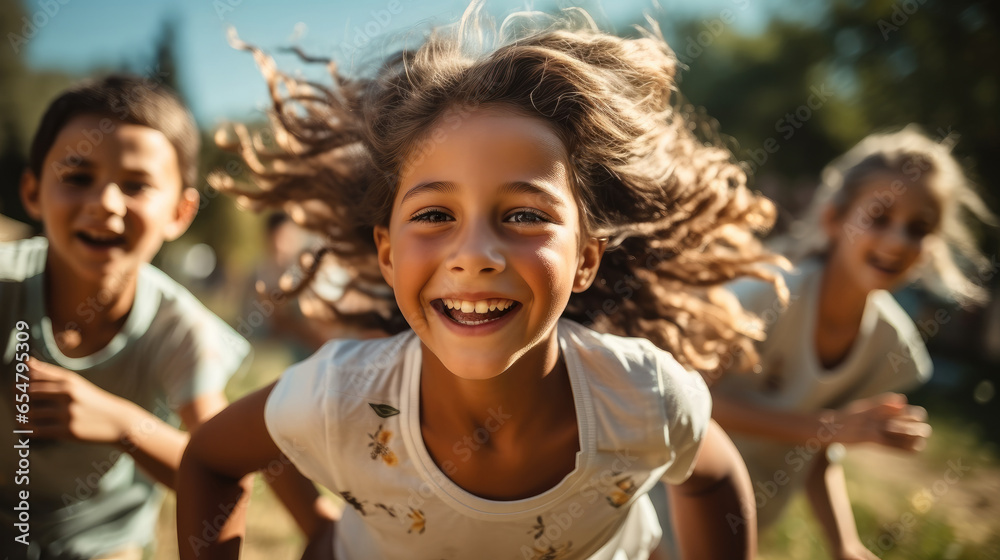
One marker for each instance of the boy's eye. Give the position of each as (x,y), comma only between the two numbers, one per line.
(431,216)
(526,217)
(78,179)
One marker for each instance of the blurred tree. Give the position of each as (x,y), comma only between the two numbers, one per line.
(164,67)
(23,98)
(817,89)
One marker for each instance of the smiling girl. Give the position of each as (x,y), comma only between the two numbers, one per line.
(505,198)
(889,211)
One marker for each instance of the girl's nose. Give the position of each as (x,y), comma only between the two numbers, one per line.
(110,199)
(477,249)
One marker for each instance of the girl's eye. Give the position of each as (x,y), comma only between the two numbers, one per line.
(431,216)
(880,221)
(526,217)
(134,187)
(918,230)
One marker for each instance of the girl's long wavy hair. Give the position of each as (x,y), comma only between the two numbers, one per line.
(676,209)
(914,158)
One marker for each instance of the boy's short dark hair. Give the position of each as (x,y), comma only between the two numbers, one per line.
(127,99)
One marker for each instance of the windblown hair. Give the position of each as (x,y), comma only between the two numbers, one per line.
(124,99)
(678,216)
(913,158)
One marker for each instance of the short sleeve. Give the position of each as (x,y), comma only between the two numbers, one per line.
(904,364)
(199,357)
(687,409)
(296,416)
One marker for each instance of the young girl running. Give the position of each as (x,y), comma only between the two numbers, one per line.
(507,199)
(889,211)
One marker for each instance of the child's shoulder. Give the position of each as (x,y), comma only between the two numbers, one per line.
(355,366)
(640,394)
(171,298)
(169,312)
(892,315)
(622,349)
(22,259)
(612,360)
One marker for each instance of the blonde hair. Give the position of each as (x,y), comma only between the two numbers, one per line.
(678,215)
(911,155)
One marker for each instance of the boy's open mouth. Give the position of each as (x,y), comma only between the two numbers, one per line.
(472,313)
(887,266)
(102,240)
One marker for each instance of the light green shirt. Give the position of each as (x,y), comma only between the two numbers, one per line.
(89,499)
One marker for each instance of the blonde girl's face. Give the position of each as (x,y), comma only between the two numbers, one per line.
(881,235)
(484,243)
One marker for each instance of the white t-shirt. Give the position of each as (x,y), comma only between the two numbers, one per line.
(349,419)
(888,354)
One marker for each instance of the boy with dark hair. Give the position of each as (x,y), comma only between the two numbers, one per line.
(97,347)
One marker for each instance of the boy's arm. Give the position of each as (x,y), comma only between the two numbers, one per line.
(64,405)
(714,511)
(884,419)
(226,448)
(827,491)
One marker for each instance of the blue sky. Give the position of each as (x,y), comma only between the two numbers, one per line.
(220,82)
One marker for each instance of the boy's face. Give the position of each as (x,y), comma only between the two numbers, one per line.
(484,244)
(109,195)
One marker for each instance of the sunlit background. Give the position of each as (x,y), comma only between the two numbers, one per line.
(809,78)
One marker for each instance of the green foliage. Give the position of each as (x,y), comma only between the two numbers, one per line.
(887,64)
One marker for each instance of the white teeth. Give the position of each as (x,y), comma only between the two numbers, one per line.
(481,306)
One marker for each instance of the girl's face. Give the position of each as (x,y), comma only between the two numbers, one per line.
(880,236)
(484,243)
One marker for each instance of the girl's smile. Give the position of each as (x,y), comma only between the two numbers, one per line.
(485,245)
(880,238)
(470,314)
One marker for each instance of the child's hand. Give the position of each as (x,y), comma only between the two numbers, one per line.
(64,405)
(884,419)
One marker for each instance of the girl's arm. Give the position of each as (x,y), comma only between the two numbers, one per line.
(714,511)
(211,505)
(884,419)
(827,491)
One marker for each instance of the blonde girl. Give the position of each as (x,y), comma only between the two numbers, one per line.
(507,197)
(889,211)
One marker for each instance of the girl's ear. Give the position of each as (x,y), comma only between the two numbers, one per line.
(384,253)
(187,208)
(590,261)
(30,194)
